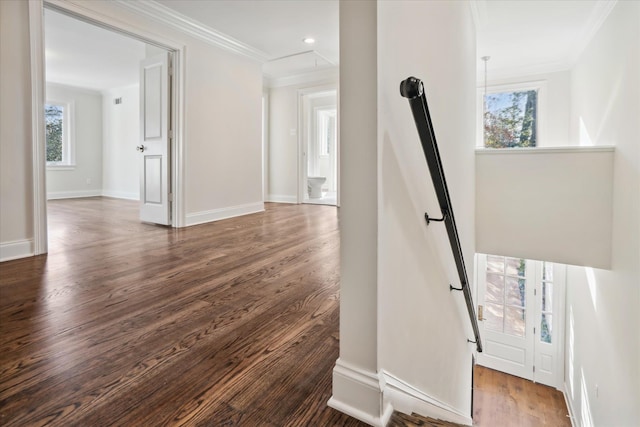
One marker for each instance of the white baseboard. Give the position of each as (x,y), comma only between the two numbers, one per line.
(121,195)
(358,393)
(223,213)
(408,399)
(279,198)
(53,195)
(16,249)
(572,413)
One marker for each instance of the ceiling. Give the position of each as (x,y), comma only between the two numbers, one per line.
(83,55)
(528,37)
(522,37)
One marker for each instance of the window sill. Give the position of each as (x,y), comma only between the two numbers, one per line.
(61,167)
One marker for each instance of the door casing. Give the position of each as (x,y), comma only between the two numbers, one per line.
(537,349)
(38,82)
(302,160)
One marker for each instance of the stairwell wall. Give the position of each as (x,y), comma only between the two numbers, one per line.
(602,370)
(423,327)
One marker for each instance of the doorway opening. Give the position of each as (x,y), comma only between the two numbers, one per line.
(521,313)
(319,147)
(103,124)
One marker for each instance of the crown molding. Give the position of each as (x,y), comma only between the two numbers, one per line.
(327,74)
(479,13)
(599,14)
(196,29)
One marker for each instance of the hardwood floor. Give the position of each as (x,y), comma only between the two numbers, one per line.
(228,323)
(123,323)
(504,400)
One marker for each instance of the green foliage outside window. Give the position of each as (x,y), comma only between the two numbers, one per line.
(54,115)
(510,119)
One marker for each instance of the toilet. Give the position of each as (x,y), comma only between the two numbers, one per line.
(314,186)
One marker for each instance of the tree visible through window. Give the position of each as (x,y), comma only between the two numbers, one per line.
(54,120)
(511,119)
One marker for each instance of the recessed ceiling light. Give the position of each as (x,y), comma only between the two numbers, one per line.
(309,40)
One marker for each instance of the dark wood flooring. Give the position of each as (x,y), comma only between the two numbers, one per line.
(228,323)
(122,323)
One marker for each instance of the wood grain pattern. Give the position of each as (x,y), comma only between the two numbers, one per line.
(504,400)
(228,323)
(123,323)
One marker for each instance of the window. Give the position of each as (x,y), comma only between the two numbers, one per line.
(510,116)
(505,295)
(327,130)
(59,134)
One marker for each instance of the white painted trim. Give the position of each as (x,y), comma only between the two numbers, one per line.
(572,412)
(223,213)
(479,13)
(16,249)
(54,195)
(192,27)
(281,198)
(36,36)
(313,77)
(78,10)
(359,393)
(407,399)
(121,195)
(302,137)
(546,150)
(599,14)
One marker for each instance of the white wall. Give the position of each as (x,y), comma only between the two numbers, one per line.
(121,135)
(423,326)
(553,112)
(545,204)
(222,122)
(603,338)
(283,140)
(85,178)
(16,221)
(357,387)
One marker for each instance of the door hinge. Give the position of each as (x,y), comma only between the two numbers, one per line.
(534,330)
(170,133)
(535,291)
(171,197)
(534,369)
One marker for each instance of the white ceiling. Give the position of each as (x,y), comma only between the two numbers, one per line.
(83,55)
(523,37)
(275,28)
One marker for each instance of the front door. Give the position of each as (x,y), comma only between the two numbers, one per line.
(520,313)
(155,203)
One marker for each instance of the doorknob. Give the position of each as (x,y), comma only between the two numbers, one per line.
(140,148)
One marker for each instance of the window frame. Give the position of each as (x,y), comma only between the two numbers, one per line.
(68,136)
(539,85)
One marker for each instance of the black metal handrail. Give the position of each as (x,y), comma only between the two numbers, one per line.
(413,89)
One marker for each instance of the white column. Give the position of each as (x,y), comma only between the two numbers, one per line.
(357,387)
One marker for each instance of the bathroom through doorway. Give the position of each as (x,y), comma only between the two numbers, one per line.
(319,143)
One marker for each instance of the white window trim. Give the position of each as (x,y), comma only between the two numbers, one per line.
(539,85)
(68,135)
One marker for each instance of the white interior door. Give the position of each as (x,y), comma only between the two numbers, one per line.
(155,203)
(521,311)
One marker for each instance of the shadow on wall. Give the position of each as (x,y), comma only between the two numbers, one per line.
(419,311)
